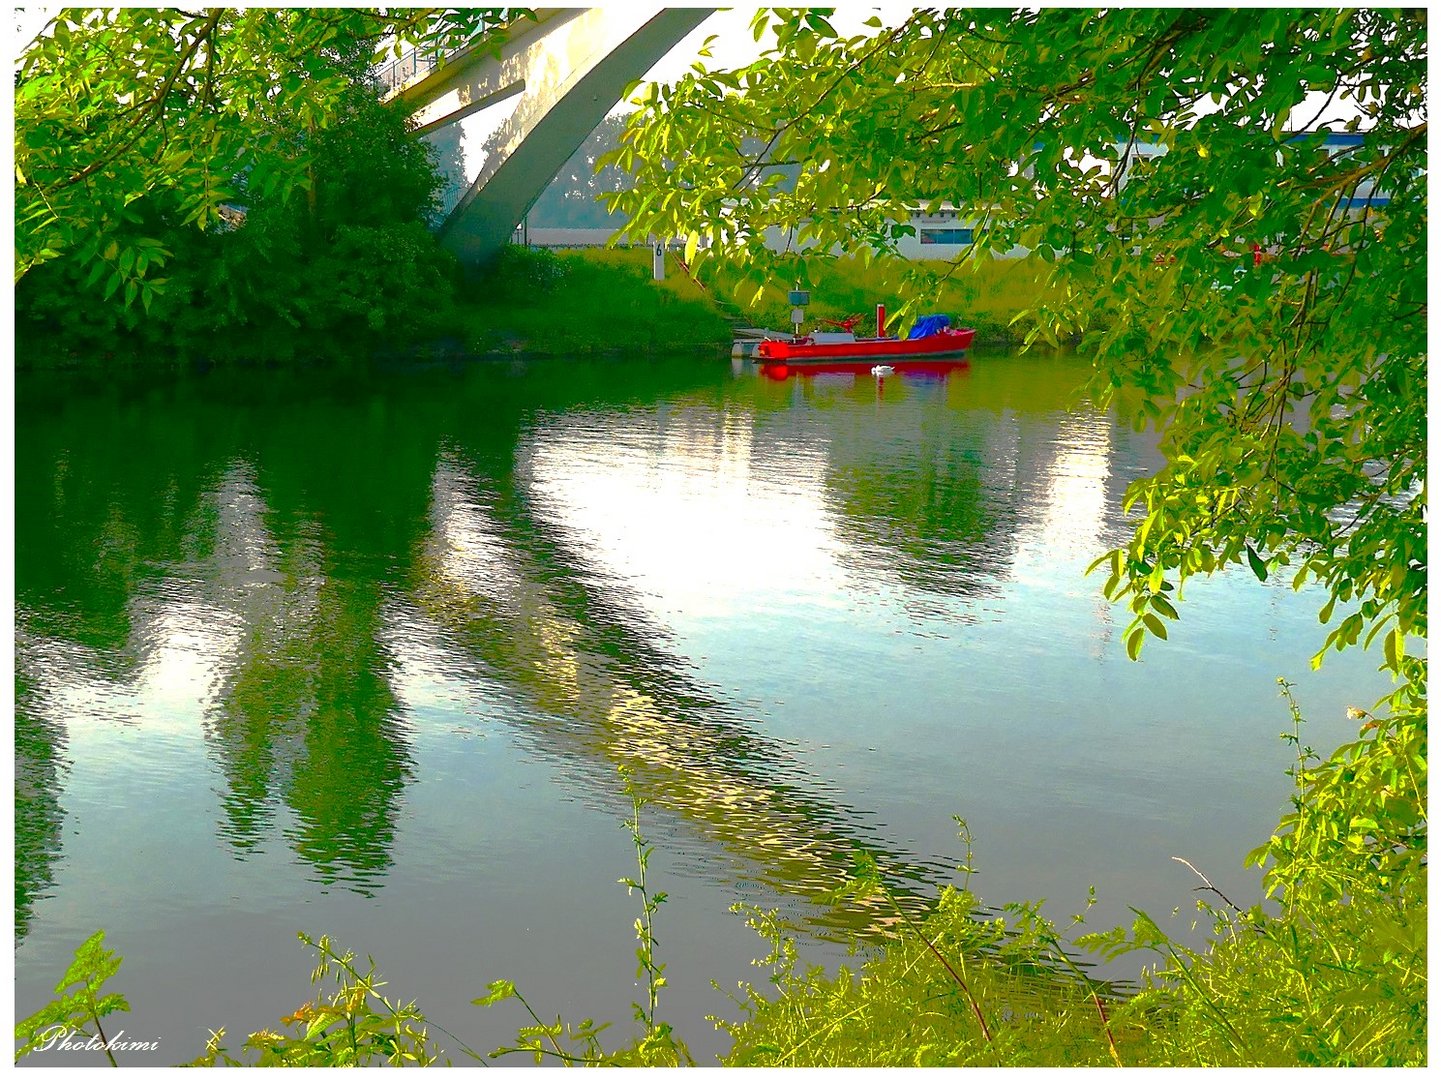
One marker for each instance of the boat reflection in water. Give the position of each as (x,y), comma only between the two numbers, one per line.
(912,369)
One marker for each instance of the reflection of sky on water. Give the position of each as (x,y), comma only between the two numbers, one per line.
(685,520)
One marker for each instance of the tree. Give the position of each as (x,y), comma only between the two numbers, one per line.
(114,106)
(284,275)
(353,257)
(1151,156)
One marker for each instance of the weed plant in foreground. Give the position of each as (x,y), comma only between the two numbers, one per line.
(1330,971)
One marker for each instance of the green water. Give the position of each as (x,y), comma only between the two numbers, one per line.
(361,654)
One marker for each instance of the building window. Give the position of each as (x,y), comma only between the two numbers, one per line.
(947,236)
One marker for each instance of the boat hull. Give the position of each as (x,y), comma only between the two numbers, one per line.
(946,343)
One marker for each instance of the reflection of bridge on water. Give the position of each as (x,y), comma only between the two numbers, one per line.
(271,615)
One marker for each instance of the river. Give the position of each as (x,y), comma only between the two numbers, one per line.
(362,653)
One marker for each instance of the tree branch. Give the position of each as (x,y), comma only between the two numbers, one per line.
(157,100)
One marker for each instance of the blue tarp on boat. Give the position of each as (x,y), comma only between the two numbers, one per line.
(927,325)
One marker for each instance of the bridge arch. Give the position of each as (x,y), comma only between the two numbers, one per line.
(568,68)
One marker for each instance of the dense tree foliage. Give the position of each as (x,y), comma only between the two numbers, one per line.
(283,276)
(296,223)
(1290,393)
(114,106)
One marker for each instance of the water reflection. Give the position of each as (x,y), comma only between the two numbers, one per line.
(39,764)
(306,714)
(255,565)
(513,594)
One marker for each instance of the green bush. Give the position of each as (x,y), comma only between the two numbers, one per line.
(334,272)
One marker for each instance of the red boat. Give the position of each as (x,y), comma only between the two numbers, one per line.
(822,347)
(931,338)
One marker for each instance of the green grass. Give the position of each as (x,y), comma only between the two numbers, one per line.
(1331,971)
(607,301)
(1333,984)
(602,301)
(959,989)
(583,303)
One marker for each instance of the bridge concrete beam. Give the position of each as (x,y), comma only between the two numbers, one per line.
(569,68)
(477,78)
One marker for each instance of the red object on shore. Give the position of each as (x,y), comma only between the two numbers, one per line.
(880,320)
(947,342)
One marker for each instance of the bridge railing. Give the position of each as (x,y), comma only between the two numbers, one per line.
(412,65)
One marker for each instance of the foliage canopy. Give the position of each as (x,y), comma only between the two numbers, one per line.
(119,104)
(1149,156)
(285,201)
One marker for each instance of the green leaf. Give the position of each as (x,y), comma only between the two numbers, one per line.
(1134,639)
(1164,606)
(1395,649)
(1258,566)
(817,22)
(500,989)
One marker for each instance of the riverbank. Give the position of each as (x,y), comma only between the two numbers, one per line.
(604,301)
(989,295)
(538,303)
(532,303)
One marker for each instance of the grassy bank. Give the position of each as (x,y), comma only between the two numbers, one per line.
(535,302)
(530,302)
(583,303)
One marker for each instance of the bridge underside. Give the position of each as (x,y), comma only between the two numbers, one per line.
(569,69)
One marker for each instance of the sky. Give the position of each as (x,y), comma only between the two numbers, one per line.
(735,45)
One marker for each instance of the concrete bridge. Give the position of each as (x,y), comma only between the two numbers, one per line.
(569,68)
